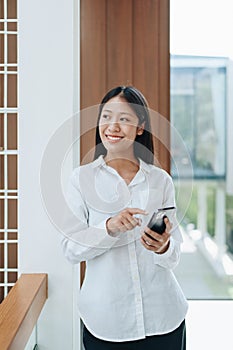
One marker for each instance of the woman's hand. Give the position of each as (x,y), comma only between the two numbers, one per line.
(124,221)
(158,243)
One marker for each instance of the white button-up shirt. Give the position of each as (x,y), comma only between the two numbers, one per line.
(128,292)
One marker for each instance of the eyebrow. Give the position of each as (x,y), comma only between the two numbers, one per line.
(109,110)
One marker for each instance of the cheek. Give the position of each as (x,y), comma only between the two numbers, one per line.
(101,130)
(131,132)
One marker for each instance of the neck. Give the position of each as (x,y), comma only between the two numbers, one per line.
(126,156)
(121,163)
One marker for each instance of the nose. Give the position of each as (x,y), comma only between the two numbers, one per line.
(114,126)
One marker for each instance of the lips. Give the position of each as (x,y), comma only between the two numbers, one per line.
(114,138)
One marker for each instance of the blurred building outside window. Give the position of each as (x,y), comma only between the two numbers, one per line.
(201,112)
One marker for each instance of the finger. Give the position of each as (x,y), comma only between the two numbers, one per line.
(157,248)
(122,228)
(134,221)
(129,221)
(152,243)
(153,234)
(164,247)
(168,225)
(128,225)
(148,246)
(160,239)
(134,211)
(149,241)
(145,242)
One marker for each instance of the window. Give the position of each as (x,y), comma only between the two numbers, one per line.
(198,110)
(8,146)
(201,112)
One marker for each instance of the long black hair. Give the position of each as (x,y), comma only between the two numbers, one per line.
(143,144)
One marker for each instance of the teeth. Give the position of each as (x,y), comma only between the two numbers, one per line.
(114,138)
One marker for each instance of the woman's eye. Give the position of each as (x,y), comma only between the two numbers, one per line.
(105,116)
(123,119)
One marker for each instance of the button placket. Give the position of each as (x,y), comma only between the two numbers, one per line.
(135,276)
(137,289)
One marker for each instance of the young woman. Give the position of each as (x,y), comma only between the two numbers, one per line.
(130,298)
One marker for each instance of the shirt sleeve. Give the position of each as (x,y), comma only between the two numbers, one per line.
(171,257)
(81,242)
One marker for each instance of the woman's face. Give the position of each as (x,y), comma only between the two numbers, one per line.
(118,127)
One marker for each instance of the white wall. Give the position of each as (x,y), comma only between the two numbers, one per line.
(209,325)
(45,102)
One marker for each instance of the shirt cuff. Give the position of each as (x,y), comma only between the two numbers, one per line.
(161,257)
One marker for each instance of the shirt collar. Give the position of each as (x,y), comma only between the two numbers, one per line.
(144,166)
(98,162)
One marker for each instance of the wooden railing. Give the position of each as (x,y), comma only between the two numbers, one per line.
(20,310)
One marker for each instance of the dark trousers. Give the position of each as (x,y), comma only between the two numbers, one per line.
(175,340)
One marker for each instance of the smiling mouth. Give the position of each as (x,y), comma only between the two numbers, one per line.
(114,138)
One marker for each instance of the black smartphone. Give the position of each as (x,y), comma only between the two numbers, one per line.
(156,222)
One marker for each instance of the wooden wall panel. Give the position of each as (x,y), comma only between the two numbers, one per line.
(126,42)
(2,221)
(93,51)
(1,46)
(12,91)
(2,88)
(119,43)
(1,132)
(12,169)
(146,50)
(151,67)
(1,172)
(1,9)
(12,214)
(164,83)
(12,131)
(12,9)
(93,67)
(12,48)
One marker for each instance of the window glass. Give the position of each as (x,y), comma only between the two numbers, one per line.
(202,114)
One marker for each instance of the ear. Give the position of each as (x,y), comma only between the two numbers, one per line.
(140,129)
